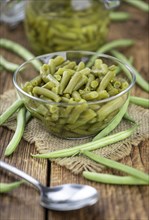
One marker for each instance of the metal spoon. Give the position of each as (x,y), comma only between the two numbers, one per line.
(61,198)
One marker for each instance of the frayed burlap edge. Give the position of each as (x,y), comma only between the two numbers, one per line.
(45,142)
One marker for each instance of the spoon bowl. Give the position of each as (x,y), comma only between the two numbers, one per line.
(65,197)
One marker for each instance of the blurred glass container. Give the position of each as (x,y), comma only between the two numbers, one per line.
(67,25)
(12,11)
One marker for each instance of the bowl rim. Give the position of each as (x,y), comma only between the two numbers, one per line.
(97,55)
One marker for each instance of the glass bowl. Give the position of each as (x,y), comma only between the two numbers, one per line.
(67,115)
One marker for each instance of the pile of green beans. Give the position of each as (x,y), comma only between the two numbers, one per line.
(72,91)
(60,26)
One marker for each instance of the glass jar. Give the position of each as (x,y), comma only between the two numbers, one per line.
(56,25)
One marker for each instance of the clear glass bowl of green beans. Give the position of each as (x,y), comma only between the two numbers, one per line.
(74,94)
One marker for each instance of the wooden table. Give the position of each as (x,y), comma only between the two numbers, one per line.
(116,202)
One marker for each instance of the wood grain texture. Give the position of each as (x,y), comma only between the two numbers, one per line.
(22,203)
(116,202)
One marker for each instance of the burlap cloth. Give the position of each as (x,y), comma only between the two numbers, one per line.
(45,142)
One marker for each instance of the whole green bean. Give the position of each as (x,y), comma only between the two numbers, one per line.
(118,166)
(11,110)
(140,101)
(8,65)
(111,139)
(113,179)
(128,117)
(7,187)
(139,4)
(139,79)
(18,49)
(18,132)
(109,46)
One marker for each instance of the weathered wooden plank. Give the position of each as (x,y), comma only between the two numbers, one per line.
(116,202)
(22,203)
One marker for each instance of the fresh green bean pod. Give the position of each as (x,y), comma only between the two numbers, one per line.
(18,132)
(139,4)
(139,79)
(110,46)
(10,111)
(8,65)
(18,49)
(140,101)
(118,166)
(7,187)
(113,179)
(111,139)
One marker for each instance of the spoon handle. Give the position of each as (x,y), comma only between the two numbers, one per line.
(20,174)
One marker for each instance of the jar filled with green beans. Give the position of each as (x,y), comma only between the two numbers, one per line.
(61,25)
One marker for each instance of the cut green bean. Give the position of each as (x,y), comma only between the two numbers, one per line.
(117,119)
(10,111)
(11,67)
(113,179)
(119,16)
(90,95)
(106,80)
(111,139)
(144,6)
(76,111)
(65,79)
(140,101)
(18,132)
(7,187)
(111,106)
(109,46)
(73,82)
(139,79)
(47,93)
(118,166)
